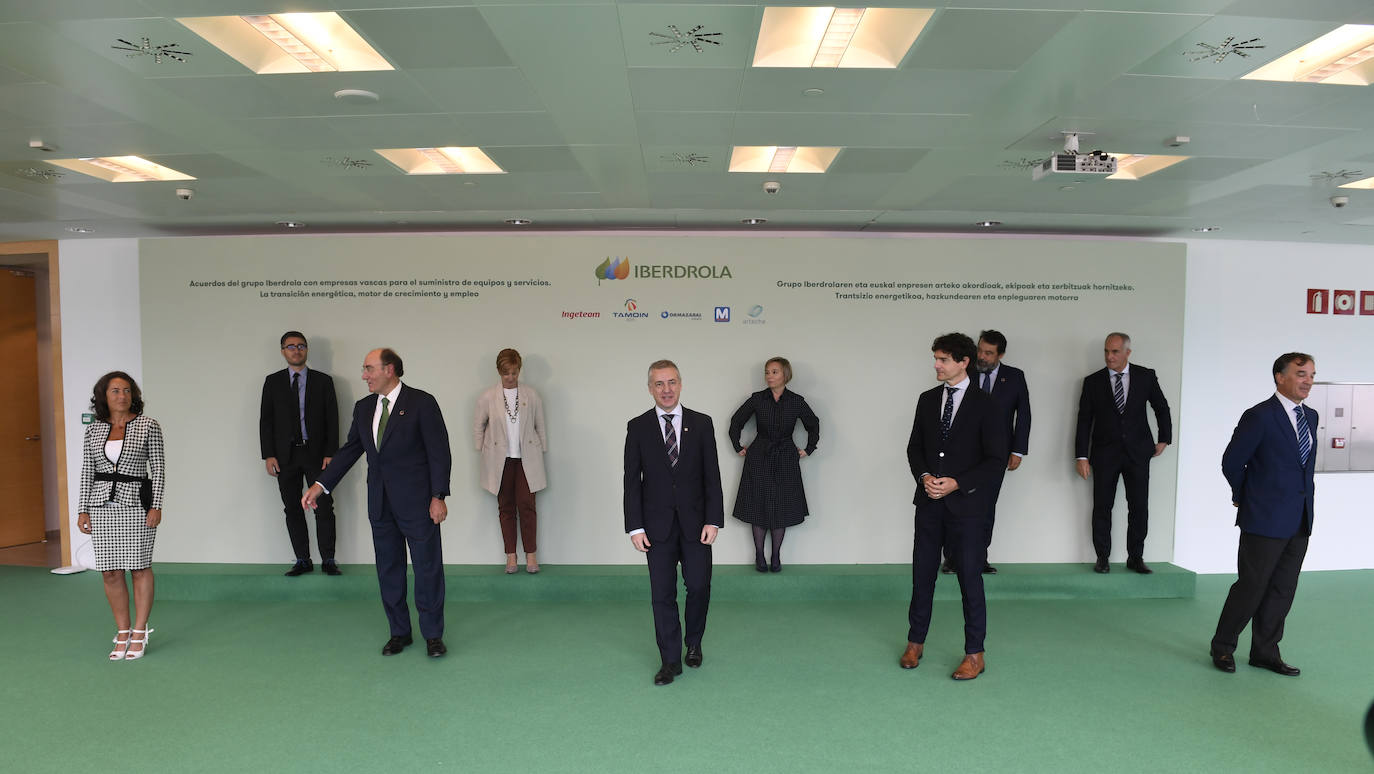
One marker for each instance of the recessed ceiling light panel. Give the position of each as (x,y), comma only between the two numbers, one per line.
(289,42)
(1344,55)
(121,169)
(441,161)
(1133,166)
(1367,184)
(781,158)
(838,37)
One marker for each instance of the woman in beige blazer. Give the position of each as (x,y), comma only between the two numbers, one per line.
(508,429)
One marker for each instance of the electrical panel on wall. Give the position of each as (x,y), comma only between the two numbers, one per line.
(1345,426)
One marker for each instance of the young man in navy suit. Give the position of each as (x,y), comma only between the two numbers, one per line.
(673,510)
(958,448)
(1113,440)
(298,430)
(402,432)
(1269,464)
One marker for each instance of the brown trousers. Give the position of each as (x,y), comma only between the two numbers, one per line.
(515,496)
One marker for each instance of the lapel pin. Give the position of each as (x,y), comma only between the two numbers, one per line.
(401,413)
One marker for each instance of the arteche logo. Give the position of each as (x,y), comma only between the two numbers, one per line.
(609,269)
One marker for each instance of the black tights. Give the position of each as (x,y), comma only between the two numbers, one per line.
(759,534)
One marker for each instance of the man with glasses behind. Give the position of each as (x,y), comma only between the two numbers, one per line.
(298,429)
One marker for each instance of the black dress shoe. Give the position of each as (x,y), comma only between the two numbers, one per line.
(667,672)
(301,567)
(776,566)
(1225,662)
(396,645)
(330,568)
(1102,565)
(989,569)
(435,647)
(1138,565)
(759,563)
(947,567)
(1277,667)
(693,656)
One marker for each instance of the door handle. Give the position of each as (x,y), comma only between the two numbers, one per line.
(31,438)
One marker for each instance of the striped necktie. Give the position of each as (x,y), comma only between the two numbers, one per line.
(670,439)
(1304,435)
(1119,393)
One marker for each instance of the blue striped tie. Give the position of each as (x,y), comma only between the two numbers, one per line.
(1120,394)
(1304,435)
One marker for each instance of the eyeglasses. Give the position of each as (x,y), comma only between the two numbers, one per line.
(296,347)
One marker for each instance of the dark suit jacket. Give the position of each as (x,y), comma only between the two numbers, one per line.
(1268,479)
(279,417)
(974,454)
(656,492)
(413,463)
(1012,397)
(1105,433)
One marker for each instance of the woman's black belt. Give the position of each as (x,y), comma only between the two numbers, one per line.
(145,485)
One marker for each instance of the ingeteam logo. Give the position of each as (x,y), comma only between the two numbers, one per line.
(631,311)
(613,269)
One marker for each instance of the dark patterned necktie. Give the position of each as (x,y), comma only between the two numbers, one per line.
(1119,392)
(987,382)
(947,416)
(296,391)
(670,439)
(1304,435)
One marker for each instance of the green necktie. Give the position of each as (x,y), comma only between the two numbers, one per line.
(381,423)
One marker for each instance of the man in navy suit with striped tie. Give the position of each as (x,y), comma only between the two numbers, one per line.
(1269,464)
(673,510)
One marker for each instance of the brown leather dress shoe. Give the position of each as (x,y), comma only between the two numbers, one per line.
(970,667)
(912,657)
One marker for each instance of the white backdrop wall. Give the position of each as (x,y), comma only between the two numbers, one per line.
(860,362)
(100,333)
(1245,308)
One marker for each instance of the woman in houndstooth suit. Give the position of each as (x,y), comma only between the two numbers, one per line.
(771,497)
(122,472)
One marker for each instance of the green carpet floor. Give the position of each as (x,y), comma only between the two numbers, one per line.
(563,686)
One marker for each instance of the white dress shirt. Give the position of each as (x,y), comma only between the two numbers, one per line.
(512,403)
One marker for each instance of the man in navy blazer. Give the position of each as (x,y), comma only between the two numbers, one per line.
(957,449)
(673,510)
(401,430)
(1269,464)
(1007,385)
(298,430)
(1113,439)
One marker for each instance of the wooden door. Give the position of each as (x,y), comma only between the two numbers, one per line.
(21,449)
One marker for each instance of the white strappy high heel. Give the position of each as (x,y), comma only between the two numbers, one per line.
(134,655)
(120,646)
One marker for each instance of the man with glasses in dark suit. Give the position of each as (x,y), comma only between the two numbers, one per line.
(298,430)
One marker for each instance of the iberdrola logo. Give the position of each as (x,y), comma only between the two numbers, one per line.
(613,270)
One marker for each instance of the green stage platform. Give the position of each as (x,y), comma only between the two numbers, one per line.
(735,583)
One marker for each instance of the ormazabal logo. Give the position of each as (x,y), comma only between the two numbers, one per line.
(670,315)
(755,316)
(631,311)
(613,270)
(722,314)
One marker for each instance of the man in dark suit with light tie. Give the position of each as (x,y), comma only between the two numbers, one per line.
(1007,385)
(1113,439)
(402,432)
(298,430)
(673,510)
(958,447)
(1269,464)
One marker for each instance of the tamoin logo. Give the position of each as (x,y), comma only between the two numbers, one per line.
(613,270)
(630,305)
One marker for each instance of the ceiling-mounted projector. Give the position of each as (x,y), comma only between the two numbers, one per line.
(1070,162)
